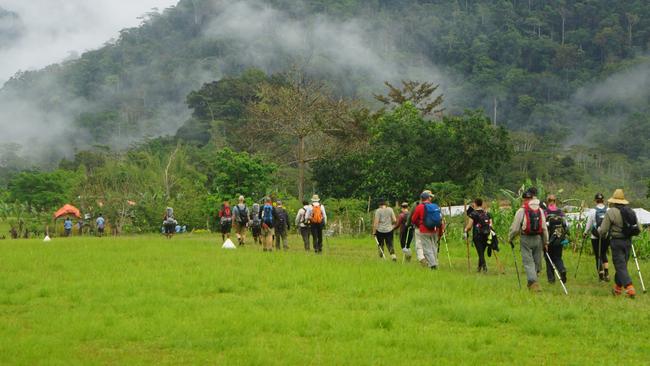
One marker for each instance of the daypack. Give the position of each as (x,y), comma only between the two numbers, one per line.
(256,222)
(556,228)
(316,214)
(267,215)
(533,221)
(482,222)
(242,214)
(630,222)
(600,215)
(226,215)
(432,216)
(281,215)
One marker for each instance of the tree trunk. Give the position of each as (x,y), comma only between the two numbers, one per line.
(494,120)
(301,169)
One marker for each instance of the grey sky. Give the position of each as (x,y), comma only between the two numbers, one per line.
(55,29)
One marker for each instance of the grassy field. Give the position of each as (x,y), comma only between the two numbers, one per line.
(147,300)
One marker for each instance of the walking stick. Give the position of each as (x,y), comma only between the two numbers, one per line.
(557,274)
(582,245)
(469,266)
(638,268)
(380,248)
(514,257)
(447,246)
(500,267)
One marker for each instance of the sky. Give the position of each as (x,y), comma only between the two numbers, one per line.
(57,29)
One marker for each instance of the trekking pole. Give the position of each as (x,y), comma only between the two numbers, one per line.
(469,266)
(500,267)
(557,274)
(380,249)
(638,268)
(514,257)
(447,246)
(582,245)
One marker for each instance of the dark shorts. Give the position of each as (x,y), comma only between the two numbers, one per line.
(67,232)
(100,229)
(170,228)
(226,228)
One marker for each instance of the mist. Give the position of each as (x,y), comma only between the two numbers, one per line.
(55,30)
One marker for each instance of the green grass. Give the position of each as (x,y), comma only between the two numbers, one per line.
(147,300)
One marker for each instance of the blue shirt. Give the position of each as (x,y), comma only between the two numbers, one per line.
(100,222)
(67,224)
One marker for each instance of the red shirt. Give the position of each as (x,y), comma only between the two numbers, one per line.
(418,219)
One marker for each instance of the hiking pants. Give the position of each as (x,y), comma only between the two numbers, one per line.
(555,252)
(267,238)
(317,235)
(621,249)
(426,247)
(386,238)
(531,255)
(480,243)
(304,233)
(281,239)
(406,237)
(600,245)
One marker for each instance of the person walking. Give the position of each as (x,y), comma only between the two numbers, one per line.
(225,220)
(268,218)
(256,223)
(599,244)
(169,223)
(317,219)
(530,224)
(302,224)
(282,227)
(67,226)
(382,227)
(558,233)
(621,242)
(480,222)
(427,220)
(405,230)
(101,224)
(241,218)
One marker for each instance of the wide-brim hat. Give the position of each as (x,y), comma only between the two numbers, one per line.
(618,198)
(315,198)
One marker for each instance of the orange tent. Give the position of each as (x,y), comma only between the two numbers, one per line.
(67,210)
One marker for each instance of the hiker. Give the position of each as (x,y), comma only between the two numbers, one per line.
(268,218)
(169,223)
(256,223)
(67,226)
(599,244)
(225,220)
(317,219)
(480,223)
(101,223)
(427,219)
(405,230)
(241,215)
(282,226)
(530,224)
(558,233)
(382,227)
(618,219)
(302,225)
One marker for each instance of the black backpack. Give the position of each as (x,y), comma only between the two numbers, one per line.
(600,215)
(242,214)
(556,228)
(630,222)
(482,222)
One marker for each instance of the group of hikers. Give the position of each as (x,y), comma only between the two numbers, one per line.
(100,224)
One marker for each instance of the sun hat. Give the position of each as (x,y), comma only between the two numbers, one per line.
(425,195)
(315,198)
(405,204)
(618,197)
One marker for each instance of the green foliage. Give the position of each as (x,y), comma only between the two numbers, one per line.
(43,190)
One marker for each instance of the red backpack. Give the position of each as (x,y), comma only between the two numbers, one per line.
(533,220)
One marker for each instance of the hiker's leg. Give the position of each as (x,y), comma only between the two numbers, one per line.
(538,252)
(389,242)
(604,246)
(285,242)
(550,275)
(527,258)
(419,248)
(409,236)
(319,237)
(429,249)
(596,247)
(304,233)
(480,246)
(620,255)
(402,238)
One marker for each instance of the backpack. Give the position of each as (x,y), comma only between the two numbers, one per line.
(432,216)
(556,228)
(242,214)
(281,214)
(256,221)
(316,214)
(600,215)
(630,222)
(226,216)
(533,221)
(482,222)
(267,215)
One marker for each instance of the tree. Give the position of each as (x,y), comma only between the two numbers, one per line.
(301,121)
(43,190)
(420,94)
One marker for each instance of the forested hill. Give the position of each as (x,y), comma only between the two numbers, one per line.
(570,71)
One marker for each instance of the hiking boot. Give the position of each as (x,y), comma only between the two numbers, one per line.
(393,257)
(601,276)
(563,277)
(551,281)
(617,290)
(424,262)
(534,287)
(606,275)
(433,268)
(630,291)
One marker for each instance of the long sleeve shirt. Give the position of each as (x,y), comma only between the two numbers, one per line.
(612,223)
(417,219)
(519,222)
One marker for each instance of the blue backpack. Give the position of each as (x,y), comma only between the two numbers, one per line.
(267,215)
(432,216)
